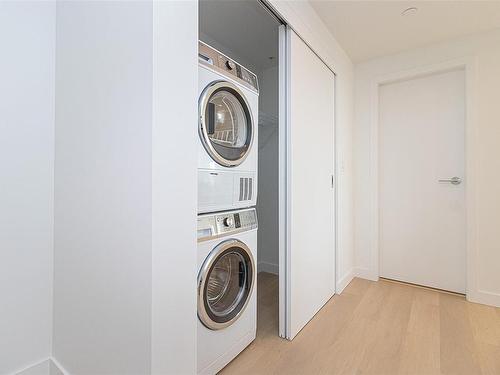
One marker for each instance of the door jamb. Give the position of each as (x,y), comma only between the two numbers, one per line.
(284,183)
(469,65)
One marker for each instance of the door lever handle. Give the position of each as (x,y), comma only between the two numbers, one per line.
(453,180)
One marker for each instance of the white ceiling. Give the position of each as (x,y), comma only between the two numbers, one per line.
(243,30)
(369,29)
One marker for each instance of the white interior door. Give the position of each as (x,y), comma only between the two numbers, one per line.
(310,195)
(422,220)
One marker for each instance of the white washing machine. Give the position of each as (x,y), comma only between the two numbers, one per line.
(228,116)
(227,292)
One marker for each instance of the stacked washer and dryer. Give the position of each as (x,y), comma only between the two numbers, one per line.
(227,219)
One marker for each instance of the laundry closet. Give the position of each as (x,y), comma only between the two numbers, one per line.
(246,32)
(238,178)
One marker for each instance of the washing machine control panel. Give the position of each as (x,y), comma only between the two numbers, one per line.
(217,225)
(211,57)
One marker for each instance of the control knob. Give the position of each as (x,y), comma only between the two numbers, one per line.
(228,221)
(229,64)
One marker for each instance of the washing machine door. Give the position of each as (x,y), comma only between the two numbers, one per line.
(226,124)
(225,284)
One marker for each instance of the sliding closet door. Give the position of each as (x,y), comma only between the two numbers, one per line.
(310,194)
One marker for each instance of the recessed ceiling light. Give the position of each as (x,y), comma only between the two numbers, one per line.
(409,11)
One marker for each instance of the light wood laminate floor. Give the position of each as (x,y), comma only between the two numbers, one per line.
(376,328)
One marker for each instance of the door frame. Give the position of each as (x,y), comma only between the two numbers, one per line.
(468,64)
(283,184)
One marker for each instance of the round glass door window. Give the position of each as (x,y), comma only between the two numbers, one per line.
(225,284)
(225,123)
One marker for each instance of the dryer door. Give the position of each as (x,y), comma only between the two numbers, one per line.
(226,125)
(225,284)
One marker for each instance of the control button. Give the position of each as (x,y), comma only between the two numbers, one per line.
(230,65)
(229,221)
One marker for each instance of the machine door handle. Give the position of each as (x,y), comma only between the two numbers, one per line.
(454,180)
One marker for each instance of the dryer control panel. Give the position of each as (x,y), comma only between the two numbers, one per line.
(211,57)
(212,226)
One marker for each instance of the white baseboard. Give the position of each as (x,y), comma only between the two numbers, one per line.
(344,281)
(484,298)
(56,368)
(48,366)
(268,267)
(365,273)
(38,368)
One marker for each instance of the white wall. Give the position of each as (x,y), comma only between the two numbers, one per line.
(27,37)
(267,202)
(175,161)
(125,238)
(103,192)
(303,19)
(484,50)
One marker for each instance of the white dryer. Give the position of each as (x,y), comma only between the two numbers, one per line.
(227,126)
(227,302)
